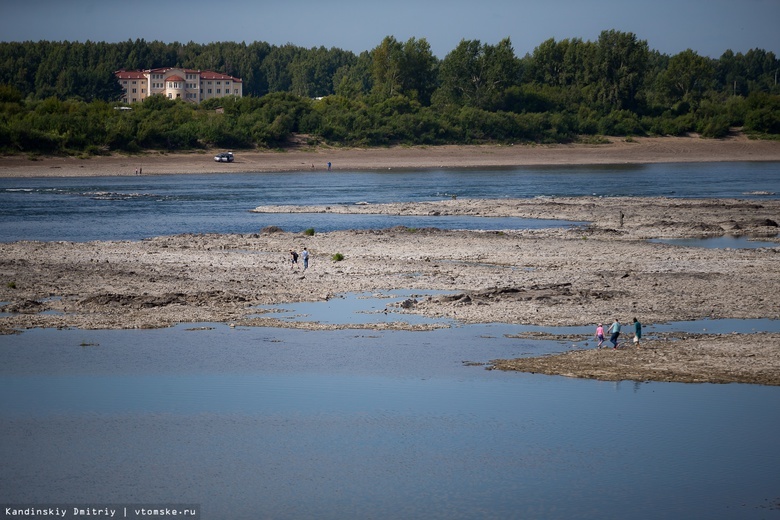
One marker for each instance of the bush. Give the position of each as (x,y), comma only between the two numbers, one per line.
(716,127)
(766,120)
(338,257)
(309,232)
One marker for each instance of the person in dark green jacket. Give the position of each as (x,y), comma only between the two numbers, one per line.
(637,332)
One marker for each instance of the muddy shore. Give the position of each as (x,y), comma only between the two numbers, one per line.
(570,276)
(637,150)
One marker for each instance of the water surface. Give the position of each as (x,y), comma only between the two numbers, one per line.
(256,423)
(104,208)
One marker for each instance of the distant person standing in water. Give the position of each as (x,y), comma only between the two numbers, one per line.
(614,331)
(637,332)
(328,165)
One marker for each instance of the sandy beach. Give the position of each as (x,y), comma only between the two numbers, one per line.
(301,158)
(543,277)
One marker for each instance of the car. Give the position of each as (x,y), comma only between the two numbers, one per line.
(224,157)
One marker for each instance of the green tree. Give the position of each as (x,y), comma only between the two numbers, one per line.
(687,77)
(617,70)
(474,74)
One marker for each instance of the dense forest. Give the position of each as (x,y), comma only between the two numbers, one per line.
(61,97)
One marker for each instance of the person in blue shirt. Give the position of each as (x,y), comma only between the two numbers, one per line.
(614,330)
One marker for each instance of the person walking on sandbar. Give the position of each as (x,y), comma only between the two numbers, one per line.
(614,331)
(600,334)
(637,332)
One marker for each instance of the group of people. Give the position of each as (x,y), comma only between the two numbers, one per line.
(294,259)
(614,333)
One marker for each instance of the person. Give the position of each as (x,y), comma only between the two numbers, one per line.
(305,256)
(294,264)
(637,332)
(614,331)
(328,165)
(136,171)
(600,334)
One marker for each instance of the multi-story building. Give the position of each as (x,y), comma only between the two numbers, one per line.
(175,83)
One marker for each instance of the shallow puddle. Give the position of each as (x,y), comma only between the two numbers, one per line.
(386,307)
(355,309)
(725,242)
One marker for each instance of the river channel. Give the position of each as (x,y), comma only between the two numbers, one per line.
(284,423)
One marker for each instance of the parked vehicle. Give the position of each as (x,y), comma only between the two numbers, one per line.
(224,157)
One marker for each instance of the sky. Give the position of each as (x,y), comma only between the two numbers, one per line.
(709,27)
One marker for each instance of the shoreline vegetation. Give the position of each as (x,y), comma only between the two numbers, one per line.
(75,97)
(544,276)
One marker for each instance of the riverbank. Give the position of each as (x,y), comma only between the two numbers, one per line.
(305,159)
(569,276)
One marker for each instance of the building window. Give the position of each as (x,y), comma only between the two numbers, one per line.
(209,91)
(133,91)
(219,91)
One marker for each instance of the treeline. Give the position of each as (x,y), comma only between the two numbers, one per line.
(62,96)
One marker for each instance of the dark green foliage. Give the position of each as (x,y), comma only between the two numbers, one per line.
(60,97)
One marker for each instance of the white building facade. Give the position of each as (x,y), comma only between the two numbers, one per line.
(189,85)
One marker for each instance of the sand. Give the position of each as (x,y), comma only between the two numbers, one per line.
(575,276)
(617,151)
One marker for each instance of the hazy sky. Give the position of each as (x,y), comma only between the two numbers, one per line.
(709,27)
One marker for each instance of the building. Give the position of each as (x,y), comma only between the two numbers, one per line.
(175,83)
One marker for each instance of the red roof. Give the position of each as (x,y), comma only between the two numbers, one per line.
(204,74)
(207,74)
(129,74)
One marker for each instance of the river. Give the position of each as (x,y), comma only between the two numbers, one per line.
(252,423)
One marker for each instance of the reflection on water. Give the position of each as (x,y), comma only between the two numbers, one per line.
(277,423)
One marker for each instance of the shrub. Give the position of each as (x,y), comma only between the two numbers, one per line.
(309,232)
(338,257)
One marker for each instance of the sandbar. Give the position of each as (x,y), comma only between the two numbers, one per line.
(557,276)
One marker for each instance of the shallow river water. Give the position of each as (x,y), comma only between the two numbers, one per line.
(275,423)
(101,208)
(280,423)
